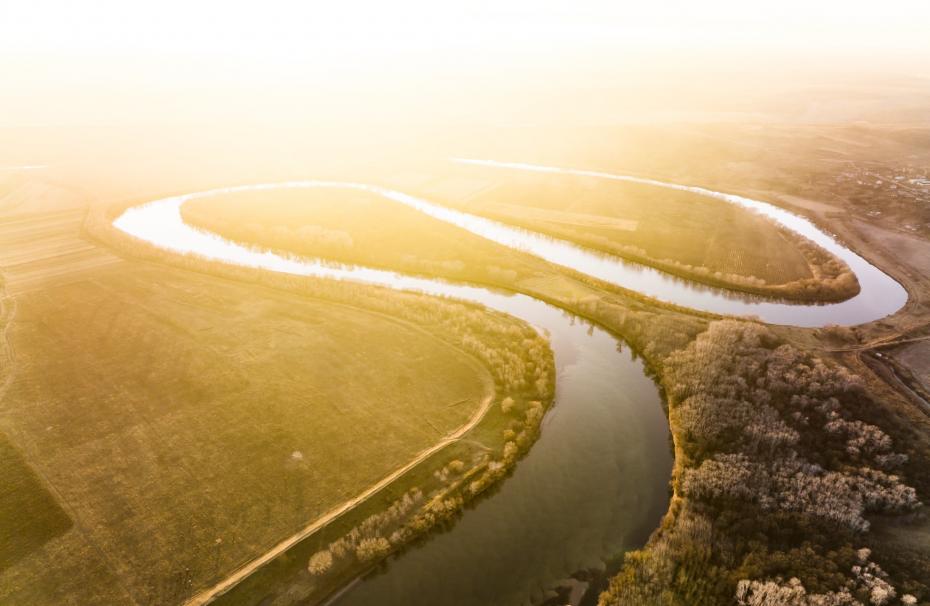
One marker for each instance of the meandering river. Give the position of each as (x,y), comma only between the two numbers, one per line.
(595,483)
(880,294)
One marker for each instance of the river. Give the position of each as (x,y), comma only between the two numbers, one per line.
(596,482)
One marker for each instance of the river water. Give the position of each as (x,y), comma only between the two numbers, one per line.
(880,294)
(595,483)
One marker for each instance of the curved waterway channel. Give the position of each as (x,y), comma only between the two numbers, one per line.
(595,483)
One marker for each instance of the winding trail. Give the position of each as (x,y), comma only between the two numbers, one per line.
(160,223)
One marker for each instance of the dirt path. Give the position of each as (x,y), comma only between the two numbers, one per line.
(888,341)
(208,595)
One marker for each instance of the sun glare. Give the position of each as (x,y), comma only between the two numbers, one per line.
(471,303)
(363,26)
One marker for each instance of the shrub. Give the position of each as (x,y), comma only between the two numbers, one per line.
(507,405)
(320,562)
(372,548)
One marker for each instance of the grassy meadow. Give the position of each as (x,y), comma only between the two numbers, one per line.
(683,233)
(177,425)
(168,421)
(23,491)
(360,228)
(662,225)
(679,232)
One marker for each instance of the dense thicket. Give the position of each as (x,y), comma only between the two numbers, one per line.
(776,474)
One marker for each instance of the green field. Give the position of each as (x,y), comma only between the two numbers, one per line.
(365,228)
(360,228)
(30,514)
(665,225)
(679,232)
(182,424)
(686,234)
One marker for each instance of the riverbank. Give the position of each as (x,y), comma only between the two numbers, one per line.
(761,491)
(654,348)
(609,349)
(655,228)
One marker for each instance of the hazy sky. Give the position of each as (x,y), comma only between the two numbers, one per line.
(276,27)
(69,59)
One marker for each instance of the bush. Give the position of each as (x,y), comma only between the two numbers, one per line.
(372,549)
(320,562)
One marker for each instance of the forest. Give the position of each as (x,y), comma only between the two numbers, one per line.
(779,463)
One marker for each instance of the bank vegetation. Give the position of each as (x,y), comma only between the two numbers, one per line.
(781,462)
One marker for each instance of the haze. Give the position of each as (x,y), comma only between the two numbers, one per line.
(418,61)
(422,303)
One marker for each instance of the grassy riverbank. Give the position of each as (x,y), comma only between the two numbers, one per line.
(782,462)
(169,426)
(736,249)
(520,364)
(681,233)
(719,531)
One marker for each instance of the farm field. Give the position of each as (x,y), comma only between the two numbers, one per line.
(39,250)
(162,426)
(916,356)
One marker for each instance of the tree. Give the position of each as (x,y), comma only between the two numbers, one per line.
(320,562)
(507,404)
(373,548)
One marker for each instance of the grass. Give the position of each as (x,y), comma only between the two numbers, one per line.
(916,356)
(376,232)
(519,360)
(189,422)
(665,225)
(29,515)
(360,228)
(364,228)
(681,233)
(286,580)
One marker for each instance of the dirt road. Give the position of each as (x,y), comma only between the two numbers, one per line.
(208,595)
